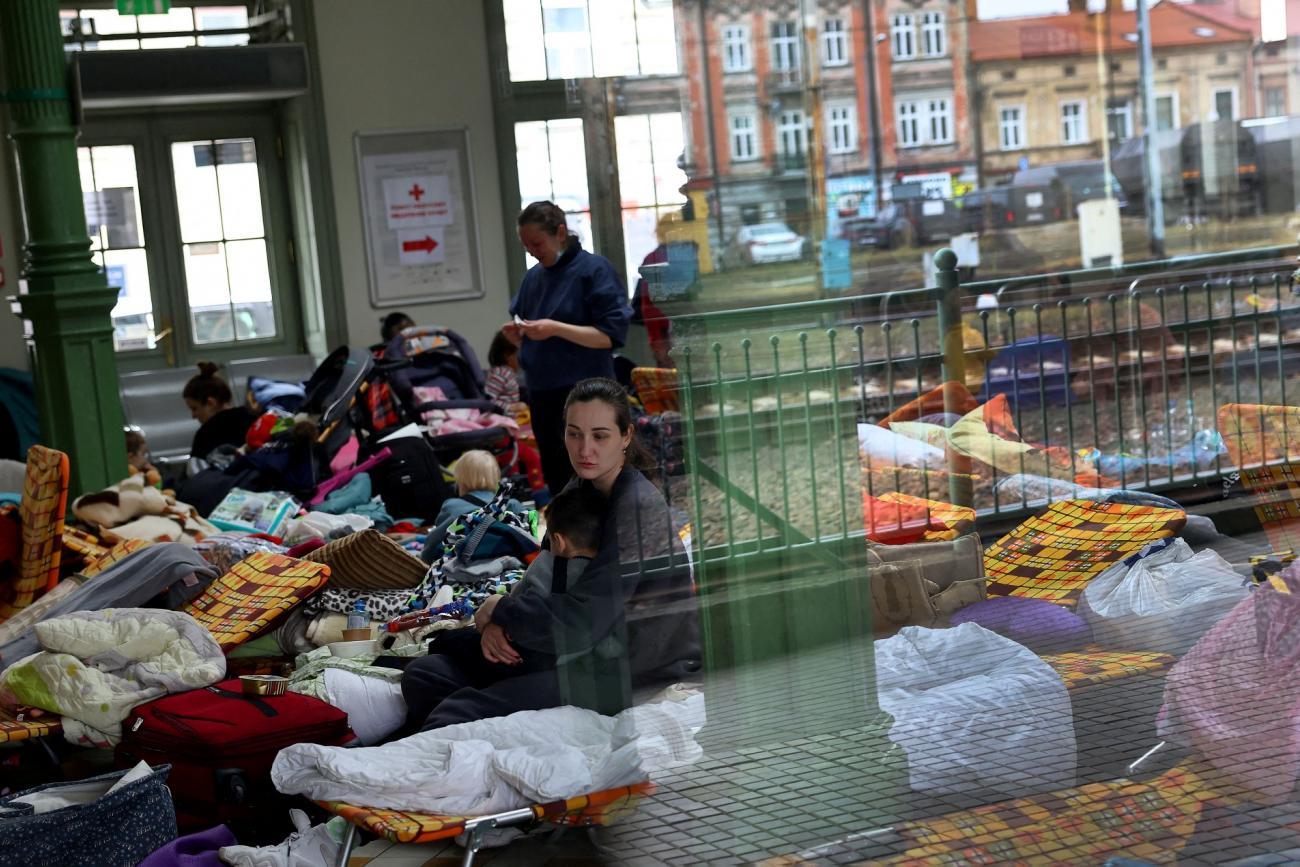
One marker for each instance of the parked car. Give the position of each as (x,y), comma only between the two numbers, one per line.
(762,243)
(903,223)
(987,209)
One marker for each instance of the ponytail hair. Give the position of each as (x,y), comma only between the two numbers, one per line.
(207,384)
(613,395)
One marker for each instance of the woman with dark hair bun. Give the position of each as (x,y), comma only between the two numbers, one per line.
(208,398)
(629,621)
(571,313)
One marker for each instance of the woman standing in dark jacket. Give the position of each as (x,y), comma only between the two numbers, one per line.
(570,314)
(628,621)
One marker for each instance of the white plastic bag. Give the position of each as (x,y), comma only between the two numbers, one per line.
(975,712)
(1164,602)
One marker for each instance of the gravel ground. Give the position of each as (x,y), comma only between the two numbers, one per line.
(817,480)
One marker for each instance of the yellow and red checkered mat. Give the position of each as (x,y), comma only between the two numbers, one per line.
(1054,555)
(256,592)
(1147,821)
(45,499)
(1093,666)
(13,730)
(396,826)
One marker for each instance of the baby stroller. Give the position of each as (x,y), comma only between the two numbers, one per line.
(436,382)
(286,462)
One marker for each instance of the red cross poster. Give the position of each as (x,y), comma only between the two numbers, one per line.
(423,200)
(419,216)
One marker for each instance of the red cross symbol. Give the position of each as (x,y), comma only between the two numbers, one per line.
(415,192)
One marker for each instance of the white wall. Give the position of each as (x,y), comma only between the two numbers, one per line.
(405,64)
(13,351)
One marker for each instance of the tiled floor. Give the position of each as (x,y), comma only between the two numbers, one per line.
(783,775)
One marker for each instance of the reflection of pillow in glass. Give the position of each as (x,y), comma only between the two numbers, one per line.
(888,448)
(922,431)
(1038,624)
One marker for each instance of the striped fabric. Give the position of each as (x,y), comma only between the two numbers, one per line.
(81,544)
(45,499)
(597,808)
(369,560)
(1149,821)
(13,730)
(241,604)
(116,554)
(1054,555)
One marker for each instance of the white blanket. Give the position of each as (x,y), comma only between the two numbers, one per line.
(98,665)
(500,764)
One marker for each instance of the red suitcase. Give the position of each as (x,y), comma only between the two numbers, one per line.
(221,743)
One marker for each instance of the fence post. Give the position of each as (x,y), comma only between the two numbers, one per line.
(947,297)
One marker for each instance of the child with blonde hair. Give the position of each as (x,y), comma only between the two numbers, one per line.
(477,478)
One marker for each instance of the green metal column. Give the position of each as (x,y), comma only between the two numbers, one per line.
(68,300)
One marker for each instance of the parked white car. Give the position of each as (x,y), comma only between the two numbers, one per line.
(762,243)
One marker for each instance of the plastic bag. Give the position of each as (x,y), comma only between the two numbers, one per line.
(975,712)
(1163,602)
(1235,698)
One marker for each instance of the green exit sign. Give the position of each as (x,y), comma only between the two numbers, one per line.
(143,7)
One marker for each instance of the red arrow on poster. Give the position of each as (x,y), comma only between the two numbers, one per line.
(426,244)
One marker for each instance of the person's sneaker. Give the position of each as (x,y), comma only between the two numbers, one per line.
(309,846)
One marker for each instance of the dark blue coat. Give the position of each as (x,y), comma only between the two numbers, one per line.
(579,289)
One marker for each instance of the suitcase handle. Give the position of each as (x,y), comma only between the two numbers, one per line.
(255,701)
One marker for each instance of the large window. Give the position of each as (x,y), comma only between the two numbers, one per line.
(1074,122)
(552,163)
(924,121)
(577,39)
(649,180)
(934,41)
(110,190)
(835,42)
(902,30)
(735,49)
(1011,128)
(785,46)
(108,30)
(743,126)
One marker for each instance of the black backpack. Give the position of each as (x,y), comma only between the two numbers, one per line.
(411,481)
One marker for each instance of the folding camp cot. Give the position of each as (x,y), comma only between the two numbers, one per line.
(588,811)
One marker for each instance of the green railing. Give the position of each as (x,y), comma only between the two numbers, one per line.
(1120,370)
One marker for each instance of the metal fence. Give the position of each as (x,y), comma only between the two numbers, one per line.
(1114,375)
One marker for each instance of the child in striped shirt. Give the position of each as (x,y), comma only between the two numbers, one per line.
(502,382)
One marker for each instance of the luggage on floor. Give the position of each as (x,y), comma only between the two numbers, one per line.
(221,743)
(410,481)
(93,822)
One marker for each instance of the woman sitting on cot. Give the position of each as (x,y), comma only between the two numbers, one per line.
(536,650)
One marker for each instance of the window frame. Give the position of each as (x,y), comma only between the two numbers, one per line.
(849,123)
(755,143)
(784,126)
(737,38)
(839,36)
(933,23)
(1172,96)
(791,59)
(1080,121)
(922,115)
(902,27)
(1124,110)
(1236,103)
(1021,125)
(1264,100)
